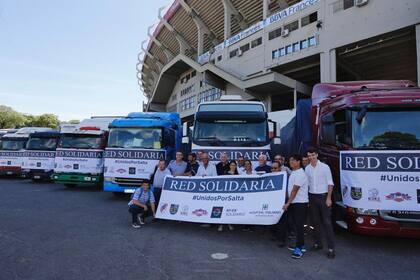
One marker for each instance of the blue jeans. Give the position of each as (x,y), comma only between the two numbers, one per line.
(135,210)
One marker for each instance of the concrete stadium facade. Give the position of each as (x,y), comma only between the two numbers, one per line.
(274,51)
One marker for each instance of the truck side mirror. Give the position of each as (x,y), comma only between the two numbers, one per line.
(185,138)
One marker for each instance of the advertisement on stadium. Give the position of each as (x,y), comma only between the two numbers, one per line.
(383,180)
(224,199)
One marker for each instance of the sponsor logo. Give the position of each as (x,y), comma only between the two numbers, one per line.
(374,195)
(164,208)
(345,191)
(38,164)
(418,195)
(398,197)
(121,170)
(9,162)
(356,193)
(67,166)
(131,170)
(32,164)
(199,212)
(216,212)
(233,212)
(184,210)
(75,166)
(173,209)
(265,207)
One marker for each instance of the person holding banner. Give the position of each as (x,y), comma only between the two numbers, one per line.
(297,204)
(262,165)
(142,204)
(223,166)
(248,168)
(192,165)
(158,177)
(320,200)
(232,171)
(206,169)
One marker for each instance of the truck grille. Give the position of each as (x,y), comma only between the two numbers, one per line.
(405,215)
(128,181)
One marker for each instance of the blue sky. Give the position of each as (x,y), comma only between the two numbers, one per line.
(74,59)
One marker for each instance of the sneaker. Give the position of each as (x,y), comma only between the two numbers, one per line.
(297,253)
(135,225)
(303,249)
(220,228)
(316,247)
(231,227)
(291,248)
(331,254)
(140,218)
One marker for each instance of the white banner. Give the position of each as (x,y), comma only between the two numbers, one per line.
(11,158)
(79,160)
(42,160)
(383,180)
(131,163)
(224,199)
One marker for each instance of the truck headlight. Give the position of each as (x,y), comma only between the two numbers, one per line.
(367,212)
(108,179)
(88,179)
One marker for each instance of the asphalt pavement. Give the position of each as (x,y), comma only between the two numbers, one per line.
(48,231)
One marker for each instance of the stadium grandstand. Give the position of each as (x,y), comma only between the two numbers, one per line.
(273,50)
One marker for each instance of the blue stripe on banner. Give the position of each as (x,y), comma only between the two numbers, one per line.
(391,162)
(135,154)
(43,154)
(79,154)
(225,184)
(11,154)
(235,153)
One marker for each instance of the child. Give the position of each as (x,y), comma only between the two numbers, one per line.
(142,204)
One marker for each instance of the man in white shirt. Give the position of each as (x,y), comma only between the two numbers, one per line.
(158,178)
(297,204)
(320,200)
(206,169)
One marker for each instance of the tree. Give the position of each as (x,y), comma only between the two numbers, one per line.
(46,120)
(73,121)
(10,118)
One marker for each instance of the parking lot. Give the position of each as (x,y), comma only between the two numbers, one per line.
(48,231)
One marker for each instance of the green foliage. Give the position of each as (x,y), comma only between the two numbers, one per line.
(9,118)
(74,121)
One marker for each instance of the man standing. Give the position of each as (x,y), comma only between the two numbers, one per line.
(206,169)
(192,165)
(158,179)
(305,162)
(223,166)
(280,159)
(297,204)
(320,200)
(142,204)
(241,164)
(262,165)
(177,166)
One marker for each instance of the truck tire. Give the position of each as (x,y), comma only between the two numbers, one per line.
(70,185)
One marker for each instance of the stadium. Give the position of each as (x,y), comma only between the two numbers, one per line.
(274,51)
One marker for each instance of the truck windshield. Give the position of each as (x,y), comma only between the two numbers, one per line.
(135,138)
(45,144)
(73,141)
(13,144)
(234,133)
(387,130)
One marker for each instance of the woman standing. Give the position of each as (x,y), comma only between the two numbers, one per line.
(233,170)
(248,170)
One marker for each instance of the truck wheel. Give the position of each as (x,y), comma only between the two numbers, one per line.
(69,185)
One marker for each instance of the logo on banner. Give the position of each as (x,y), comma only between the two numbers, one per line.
(68,166)
(199,212)
(121,170)
(75,166)
(38,164)
(184,210)
(265,207)
(398,197)
(9,162)
(418,195)
(163,208)
(356,193)
(173,209)
(345,191)
(216,212)
(374,195)
(131,170)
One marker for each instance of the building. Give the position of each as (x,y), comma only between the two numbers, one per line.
(274,50)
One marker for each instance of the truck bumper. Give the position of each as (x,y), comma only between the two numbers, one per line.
(77,179)
(113,187)
(37,174)
(10,171)
(375,225)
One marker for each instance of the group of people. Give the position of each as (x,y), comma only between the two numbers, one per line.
(309,189)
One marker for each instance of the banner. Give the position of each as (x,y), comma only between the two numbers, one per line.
(224,199)
(79,160)
(11,158)
(131,163)
(383,180)
(43,160)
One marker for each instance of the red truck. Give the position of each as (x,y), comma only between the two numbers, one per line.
(370,117)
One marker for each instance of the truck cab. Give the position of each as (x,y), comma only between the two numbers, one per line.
(79,157)
(39,156)
(136,144)
(232,126)
(367,116)
(12,150)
